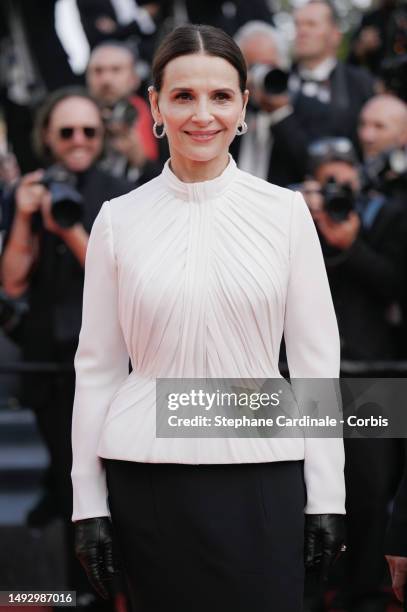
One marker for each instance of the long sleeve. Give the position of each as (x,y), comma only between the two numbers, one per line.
(101,364)
(312,346)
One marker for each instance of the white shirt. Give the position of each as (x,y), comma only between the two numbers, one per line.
(320,73)
(128,11)
(257,144)
(314,82)
(199,280)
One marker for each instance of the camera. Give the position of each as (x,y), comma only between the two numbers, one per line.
(123,113)
(379,171)
(339,199)
(66,201)
(268,78)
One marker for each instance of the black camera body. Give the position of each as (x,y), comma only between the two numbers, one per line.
(381,171)
(123,113)
(66,201)
(268,78)
(339,199)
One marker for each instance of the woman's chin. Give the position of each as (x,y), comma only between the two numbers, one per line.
(203,154)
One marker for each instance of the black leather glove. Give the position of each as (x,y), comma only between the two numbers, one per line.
(324,541)
(94,549)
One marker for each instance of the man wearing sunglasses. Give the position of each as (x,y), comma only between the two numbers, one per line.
(43,259)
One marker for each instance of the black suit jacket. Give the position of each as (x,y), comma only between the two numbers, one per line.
(91,10)
(46,48)
(288,154)
(350,88)
(212,12)
(364,281)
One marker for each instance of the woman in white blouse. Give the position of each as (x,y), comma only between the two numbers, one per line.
(197,274)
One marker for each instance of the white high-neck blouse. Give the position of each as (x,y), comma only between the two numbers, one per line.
(199,280)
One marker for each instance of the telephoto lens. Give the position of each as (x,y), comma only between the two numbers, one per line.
(269,79)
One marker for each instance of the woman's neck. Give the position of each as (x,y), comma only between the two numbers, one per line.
(191,171)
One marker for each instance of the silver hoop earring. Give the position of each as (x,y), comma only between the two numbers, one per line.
(156,134)
(241,129)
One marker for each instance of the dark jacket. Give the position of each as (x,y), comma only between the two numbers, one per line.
(56,283)
(396,537)
(47,51)
(350,88)
(288,159)
(364,281)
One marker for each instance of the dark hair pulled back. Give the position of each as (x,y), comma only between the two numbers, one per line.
(196,38)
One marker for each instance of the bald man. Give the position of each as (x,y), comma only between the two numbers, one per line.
(382,125)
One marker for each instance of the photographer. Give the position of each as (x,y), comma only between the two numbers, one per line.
(362,236)
(274,147)
(43,259)
(131,149)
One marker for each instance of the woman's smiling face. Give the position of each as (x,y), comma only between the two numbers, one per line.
(201,105)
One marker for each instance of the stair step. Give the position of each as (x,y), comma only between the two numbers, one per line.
(18,426)
(22,466)
(15,506)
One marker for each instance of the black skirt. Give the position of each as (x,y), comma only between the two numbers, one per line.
(218,538)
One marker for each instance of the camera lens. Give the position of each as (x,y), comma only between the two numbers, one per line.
(339,200)
(66,206)
(271,80)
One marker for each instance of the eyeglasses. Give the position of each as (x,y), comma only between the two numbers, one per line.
(66,133)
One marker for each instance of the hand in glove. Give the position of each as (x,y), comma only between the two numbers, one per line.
(94,549)
(324,541)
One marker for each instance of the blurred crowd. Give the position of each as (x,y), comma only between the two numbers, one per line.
(335,129)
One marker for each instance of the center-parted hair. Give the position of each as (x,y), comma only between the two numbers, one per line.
(193,38)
